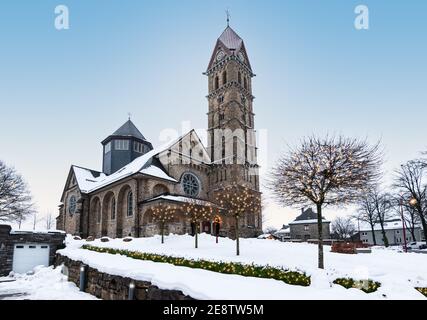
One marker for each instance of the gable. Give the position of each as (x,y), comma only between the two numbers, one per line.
(189,149)
(70,183)
(218,46)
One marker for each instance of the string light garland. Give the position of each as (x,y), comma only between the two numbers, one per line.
(423,291)
(247,270)
(367,286)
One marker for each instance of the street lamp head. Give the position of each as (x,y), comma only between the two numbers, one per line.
(413,202)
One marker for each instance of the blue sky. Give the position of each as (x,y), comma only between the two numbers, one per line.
(62,92)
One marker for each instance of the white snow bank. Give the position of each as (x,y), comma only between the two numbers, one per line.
(44,284)
(398,272)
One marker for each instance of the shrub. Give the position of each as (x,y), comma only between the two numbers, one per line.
(367,286)
(252,270)
(422,290)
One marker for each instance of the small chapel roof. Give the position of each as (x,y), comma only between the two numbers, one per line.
(128,129)
(182,199)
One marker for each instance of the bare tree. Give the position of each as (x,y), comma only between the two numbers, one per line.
(49,220)
(343,227)
(238,201)
(382,202)
(325,171)
(368,213)
(410,180)
(410,216)
(15,199)
(36,219)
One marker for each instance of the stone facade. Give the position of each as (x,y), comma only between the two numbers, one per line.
(107,211)
(112,287)
(8,240)
(304,227)
(308,231)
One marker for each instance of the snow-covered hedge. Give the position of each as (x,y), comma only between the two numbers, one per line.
(252,270)
(423,291)
(367,286)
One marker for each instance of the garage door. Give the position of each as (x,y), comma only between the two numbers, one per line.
(27,256)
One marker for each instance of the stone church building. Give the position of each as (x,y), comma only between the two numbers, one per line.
(118,201)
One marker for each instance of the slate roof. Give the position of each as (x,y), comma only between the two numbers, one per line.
(306,217)
(231,39)
(128,129)
(307,214)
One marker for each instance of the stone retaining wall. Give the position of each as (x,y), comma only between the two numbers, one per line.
(112,287)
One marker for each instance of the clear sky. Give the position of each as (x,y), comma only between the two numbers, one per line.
(63,92)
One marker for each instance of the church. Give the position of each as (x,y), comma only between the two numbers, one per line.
(118,200)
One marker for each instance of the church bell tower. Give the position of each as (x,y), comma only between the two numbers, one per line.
(231,134)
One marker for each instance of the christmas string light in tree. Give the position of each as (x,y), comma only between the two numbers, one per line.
(163,214)
(197,212)
(238,201)
(325,171)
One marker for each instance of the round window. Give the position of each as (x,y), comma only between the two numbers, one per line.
(190,184)
(72,205)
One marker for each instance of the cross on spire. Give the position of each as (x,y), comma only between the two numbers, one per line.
(228,17)
(129,115)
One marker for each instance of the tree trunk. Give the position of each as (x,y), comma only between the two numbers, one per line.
(373,234)
(424,224)
(320,233)
(385,240)
(237,237)
(162,227)
(196,240)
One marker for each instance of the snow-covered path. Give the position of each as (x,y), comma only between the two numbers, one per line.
(398,272)
(44,284)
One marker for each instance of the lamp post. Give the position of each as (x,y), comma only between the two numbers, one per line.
(405,248)
(413,202)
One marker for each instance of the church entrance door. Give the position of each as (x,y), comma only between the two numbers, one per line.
(206,227)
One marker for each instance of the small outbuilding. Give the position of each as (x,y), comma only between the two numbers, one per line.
(21,251)
(304,227)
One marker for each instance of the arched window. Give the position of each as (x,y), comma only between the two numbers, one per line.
(245,83)
(159,189)
(113,208)
(72,205)
(130,204)
(224,77)
(239,78)
(216,83)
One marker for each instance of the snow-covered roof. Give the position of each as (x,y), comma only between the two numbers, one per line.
(264,236)
(88,182)
(310,221)
(388,225)
(182,199)
(157,172)
(40,231)
(282,231)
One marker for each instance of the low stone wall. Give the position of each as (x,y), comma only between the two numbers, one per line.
(112,287)
(8,239)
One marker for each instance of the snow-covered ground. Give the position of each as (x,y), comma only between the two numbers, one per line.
(397,272)
(44,284)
